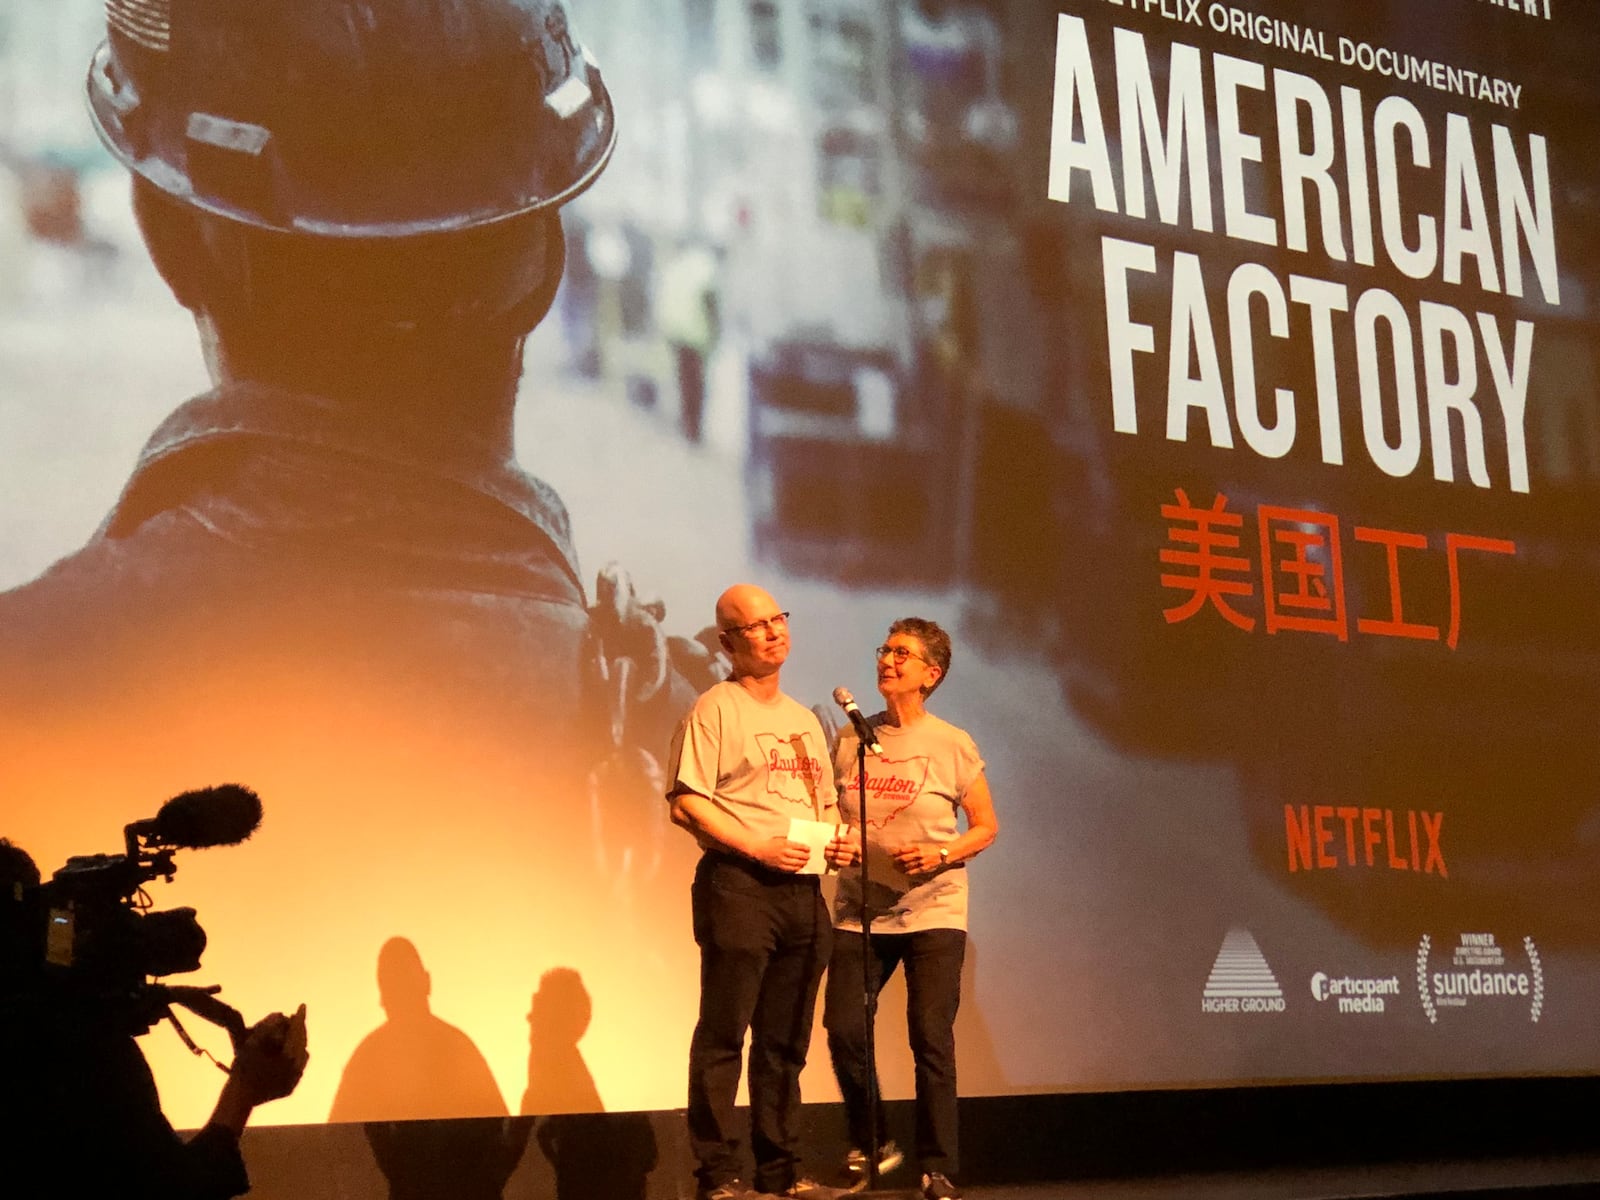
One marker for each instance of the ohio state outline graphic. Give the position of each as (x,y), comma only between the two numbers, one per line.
(793,768)
(886,786)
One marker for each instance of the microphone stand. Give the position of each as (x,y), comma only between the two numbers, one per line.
(869,999)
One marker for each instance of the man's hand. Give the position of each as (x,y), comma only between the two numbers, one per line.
(273,1058)
(781,854)
(844,849)
(267,1066)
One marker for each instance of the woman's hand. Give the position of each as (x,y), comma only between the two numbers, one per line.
(918,859)
(844,849)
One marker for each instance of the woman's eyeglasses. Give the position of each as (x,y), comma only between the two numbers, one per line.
(898,654)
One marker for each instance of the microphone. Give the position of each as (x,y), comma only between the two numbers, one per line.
(216,816)
(843,698)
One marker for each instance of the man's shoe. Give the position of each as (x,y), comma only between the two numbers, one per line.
(855,1163)
(936,1187)
(734,1189)
(806,1188)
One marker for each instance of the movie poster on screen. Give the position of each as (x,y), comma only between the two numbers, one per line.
(1221,375)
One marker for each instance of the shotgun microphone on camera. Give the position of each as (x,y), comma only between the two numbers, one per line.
(216,816)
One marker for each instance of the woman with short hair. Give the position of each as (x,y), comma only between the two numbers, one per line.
(928,776)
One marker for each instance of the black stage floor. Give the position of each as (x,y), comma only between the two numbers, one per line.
(1570,1178)
(1499,1142)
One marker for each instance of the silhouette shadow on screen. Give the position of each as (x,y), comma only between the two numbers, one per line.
(411,1073)
(591,1152)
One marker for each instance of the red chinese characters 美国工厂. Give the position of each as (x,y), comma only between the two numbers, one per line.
(1301,569)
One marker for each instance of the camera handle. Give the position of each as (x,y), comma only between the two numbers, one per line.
(203,1002)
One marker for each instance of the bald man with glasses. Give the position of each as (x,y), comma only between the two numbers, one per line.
(745,761)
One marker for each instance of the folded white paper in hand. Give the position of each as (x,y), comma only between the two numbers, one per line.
(815,835)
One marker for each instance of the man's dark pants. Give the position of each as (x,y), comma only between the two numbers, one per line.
(932,959)
(764,940)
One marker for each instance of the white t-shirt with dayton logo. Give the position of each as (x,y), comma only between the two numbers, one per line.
(760,762)
(914,792)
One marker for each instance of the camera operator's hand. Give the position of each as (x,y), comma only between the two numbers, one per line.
(273,1056)
(268,1066)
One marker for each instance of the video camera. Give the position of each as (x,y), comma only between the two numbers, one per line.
(101,942)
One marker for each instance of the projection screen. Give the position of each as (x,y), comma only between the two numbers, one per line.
(1221,375)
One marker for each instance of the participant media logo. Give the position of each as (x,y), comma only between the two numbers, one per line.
(1478,973)
(1241,980)
(1352,996)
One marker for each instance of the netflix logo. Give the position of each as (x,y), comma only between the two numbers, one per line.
(1322,837)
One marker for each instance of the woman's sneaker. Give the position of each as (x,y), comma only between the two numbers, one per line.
(855,1163)
(936,1187)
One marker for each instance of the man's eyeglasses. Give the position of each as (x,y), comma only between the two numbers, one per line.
(765,625)
(899,654)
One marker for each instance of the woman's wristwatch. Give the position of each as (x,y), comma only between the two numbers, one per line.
(944,856)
